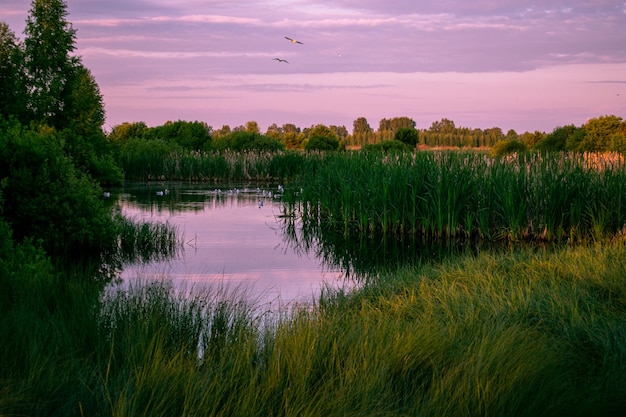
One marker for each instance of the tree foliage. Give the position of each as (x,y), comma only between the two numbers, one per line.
(13,92)
(46,197)
(407,135)
(386,146)
(507,146)
(50,66)
(243,140)
(322,138)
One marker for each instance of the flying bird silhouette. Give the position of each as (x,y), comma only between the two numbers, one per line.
(293,40)
(280,60)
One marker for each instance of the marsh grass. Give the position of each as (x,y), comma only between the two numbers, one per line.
(517,334)
(211,166)
(457,194)
(438,194)
(140,241)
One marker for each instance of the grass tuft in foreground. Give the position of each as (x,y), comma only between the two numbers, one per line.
(517,334)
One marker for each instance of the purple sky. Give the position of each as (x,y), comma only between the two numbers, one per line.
(517,64)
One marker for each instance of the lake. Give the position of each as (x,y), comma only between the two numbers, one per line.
(231,236)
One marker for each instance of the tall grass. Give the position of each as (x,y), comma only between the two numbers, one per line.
(518,334)
(140,241)
(211,166)
(438,194)
(456,194)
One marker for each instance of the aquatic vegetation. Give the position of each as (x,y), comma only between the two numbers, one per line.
(465,194)
(519,333)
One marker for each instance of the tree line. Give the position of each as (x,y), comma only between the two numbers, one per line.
(599,134)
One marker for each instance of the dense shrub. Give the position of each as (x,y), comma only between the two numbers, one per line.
(407,135)
(247,141)
(321,143)
(508,146)
(386,146)
(46,198)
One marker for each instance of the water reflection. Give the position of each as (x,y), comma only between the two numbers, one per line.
(232,236)
(259,237)
(360,255)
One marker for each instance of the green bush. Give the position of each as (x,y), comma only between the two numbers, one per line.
(321,143)
(407,135)
(386,146)
(508,146)
(46,198)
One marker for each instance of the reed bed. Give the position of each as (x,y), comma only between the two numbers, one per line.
(519,334)
(439,194)
(210,166)
(141,241)
(454,194)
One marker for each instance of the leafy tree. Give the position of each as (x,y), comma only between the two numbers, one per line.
(388,127)
(443,126)
(532,139)
(252,127)
(225,130)
(291,136)
(511,135)
(507,146)
(601,133)
(46,198)
(85,141)
(322,138)
(557,139)
(362,133)
(50,66)
(122,133)
(290,128)
(13,92)
(189,135)
(575,139)
(274,131)
(407,135)
(85,106)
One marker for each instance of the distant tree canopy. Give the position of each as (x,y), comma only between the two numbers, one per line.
(507,146)
(599,134)
(322,138)
(387,146)
(247,141)
(407,135)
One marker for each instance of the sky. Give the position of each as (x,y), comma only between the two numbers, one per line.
(513,64)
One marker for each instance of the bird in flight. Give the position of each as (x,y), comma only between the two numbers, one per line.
(293,40)
(281,60)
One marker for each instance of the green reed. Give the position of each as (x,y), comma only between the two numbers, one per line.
(456,194)
(437,194)
(210,166)
(146,241)
(520,333)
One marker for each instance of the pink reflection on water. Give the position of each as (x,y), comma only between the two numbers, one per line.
(237,243)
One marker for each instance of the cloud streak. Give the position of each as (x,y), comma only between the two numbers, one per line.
(400,58)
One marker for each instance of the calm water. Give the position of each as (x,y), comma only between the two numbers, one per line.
(232,236)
